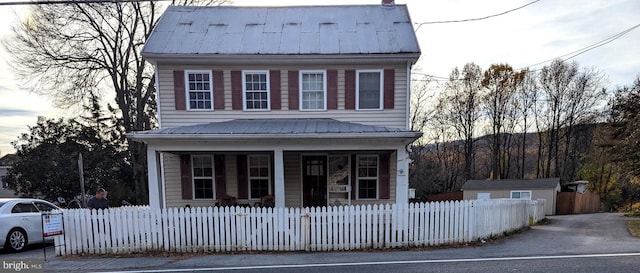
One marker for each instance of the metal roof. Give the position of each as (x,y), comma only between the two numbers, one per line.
(284,127)
(544,183)
(352,29)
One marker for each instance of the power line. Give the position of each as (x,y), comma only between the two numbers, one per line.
(590,47)
(568,56)
(475,19)
(60,2)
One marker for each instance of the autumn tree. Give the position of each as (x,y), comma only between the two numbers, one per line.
(624,139)
(500,106)
(70,52)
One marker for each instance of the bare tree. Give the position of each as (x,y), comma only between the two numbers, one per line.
(74,51)
(422,166)
(421,97)
(445,149)
(527,96)
(462,106)
(570,95)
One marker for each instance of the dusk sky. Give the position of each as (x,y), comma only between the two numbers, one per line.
(539,32)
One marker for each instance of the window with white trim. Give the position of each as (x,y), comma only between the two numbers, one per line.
(369,89)
(367,176)
(203,186)
(256,90)
(259,175)
(524,195)
(199,89)
(313,90)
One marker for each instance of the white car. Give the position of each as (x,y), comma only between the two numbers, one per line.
(21,221)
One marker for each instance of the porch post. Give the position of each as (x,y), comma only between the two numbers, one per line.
(402,176)
(152,174)
(278,166)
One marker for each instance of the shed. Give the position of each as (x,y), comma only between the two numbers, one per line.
(546,188)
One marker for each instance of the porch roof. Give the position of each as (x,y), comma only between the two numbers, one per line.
(275,128)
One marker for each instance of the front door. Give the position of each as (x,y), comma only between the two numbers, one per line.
(314,181)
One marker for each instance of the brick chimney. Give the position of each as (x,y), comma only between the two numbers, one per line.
(388,2)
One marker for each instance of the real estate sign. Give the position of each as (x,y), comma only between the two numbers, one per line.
(52,224)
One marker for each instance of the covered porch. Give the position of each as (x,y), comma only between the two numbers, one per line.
(297,162)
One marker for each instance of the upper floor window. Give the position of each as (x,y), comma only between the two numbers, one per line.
(202,176)
(369,89)
(199,89)
(259,175)
(313,90)
(367,176)
(256,90)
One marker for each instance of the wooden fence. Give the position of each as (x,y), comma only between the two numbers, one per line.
(227,229)
(577,203)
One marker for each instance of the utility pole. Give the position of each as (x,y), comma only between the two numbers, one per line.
(83,200)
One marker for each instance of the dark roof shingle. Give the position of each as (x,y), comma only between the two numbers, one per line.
(544,183)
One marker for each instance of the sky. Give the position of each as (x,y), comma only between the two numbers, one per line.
(541,31)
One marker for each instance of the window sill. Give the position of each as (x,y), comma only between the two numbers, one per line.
(364,110)
(199,110)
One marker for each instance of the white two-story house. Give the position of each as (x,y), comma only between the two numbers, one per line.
(306,104)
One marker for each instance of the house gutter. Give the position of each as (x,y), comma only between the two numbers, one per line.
(175,58)
(230,137)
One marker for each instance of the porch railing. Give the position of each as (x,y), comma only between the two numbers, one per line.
(227,229)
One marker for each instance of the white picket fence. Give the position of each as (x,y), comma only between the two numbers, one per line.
(228,229)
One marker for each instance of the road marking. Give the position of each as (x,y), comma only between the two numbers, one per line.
(380,263)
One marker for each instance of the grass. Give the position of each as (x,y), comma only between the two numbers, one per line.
(634,228)
(633,213)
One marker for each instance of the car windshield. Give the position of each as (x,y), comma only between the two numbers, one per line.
(2,203)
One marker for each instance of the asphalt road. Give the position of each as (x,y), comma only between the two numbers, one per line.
(575,243)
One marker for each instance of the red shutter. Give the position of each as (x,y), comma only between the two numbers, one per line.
(389,88)
(354,183)
(332,89)
(219,170)
(236,90)
(274,86)
(350,89)
(185,177)
(243,181)
(384,181)
(218,90)
(178,89)
(294,89)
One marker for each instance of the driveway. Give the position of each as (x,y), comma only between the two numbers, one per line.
(572,234)
(567,238)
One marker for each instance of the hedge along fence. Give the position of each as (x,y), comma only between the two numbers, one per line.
(229,229)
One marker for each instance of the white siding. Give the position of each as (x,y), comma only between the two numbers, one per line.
(389,117)
(341,91)
(292,183)
(548,194)
(292,180)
